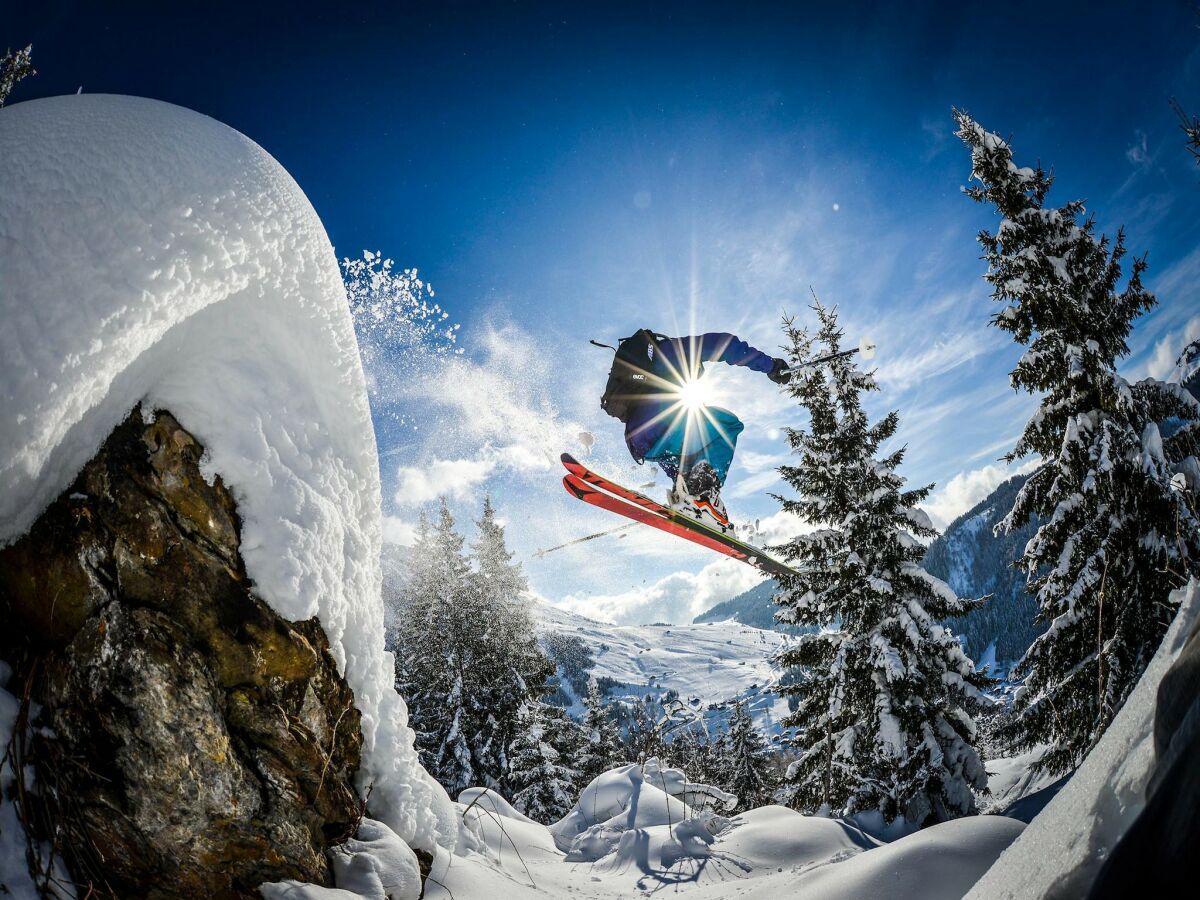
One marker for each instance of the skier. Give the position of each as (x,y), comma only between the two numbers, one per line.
(693,445)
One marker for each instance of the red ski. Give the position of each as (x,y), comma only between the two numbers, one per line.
(592,487)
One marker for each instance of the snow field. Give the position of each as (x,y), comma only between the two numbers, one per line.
(626,837)
(714,662)
(150,254)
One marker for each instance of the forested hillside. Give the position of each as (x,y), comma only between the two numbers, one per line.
(974,562)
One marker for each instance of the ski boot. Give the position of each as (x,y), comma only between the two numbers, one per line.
(698,496)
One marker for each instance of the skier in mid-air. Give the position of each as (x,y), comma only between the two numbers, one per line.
(693,445)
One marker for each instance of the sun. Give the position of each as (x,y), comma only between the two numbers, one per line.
(695,393)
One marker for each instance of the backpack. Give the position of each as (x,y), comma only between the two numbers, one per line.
(627,379)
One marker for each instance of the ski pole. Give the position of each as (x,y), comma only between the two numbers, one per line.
(866,347)
(591,537)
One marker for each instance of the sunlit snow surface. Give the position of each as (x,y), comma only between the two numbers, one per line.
(629,838)
(148,253)
(710,663)
(1068,841)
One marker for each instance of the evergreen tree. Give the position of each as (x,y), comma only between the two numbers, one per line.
(494,561)
(542,782)
(432,663)
(511,668)
(1187,369)
(467,659)
(1114,537)
(691,751)
(602,749)
(885,695)
(1191,129)
(14,67)
(745,767)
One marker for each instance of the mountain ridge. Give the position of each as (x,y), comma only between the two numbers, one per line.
(968,557)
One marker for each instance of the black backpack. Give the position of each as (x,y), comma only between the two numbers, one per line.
(628,378)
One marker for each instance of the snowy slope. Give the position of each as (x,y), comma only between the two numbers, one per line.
(148,253)
(713,663)
(1068,841)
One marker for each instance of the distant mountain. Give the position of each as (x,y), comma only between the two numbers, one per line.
(975,562)
(1187,368)
(753,608)
(972,561)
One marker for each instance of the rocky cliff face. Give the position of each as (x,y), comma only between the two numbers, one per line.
(184,740)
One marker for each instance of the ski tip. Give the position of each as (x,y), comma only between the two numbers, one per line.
(575,487)
(567,459)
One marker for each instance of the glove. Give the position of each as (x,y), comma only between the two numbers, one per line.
(779,372)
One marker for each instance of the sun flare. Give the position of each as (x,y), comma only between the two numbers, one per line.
(695,393)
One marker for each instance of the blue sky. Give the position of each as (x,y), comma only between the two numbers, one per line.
(563,174)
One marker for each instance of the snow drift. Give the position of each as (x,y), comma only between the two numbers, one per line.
(637,797)
(1064,846)
(631,833)
(148,253)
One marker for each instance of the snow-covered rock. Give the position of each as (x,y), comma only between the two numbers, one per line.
(148,253)
(1065,845)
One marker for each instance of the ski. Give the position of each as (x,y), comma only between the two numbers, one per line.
(593,488)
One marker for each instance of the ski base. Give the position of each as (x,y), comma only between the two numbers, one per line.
(596,490)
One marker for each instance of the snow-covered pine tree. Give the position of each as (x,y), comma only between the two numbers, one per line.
(885,695)
(1191,128)
(601,748)
(542,781)
(432,659)
(746,770)
(14,67)
(1115,537)
(1187,368)
(494,561)
(511,668)
(691,750)
(467,657)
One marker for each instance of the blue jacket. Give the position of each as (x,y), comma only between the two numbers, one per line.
(674,355)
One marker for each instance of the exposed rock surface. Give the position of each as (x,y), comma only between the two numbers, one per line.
(187,741)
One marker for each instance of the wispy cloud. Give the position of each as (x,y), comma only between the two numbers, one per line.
(966,489)
(1161,335)
(1165,355)
(906,369)
(936,131)
(1138,152)
(399,531)
(679,597)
